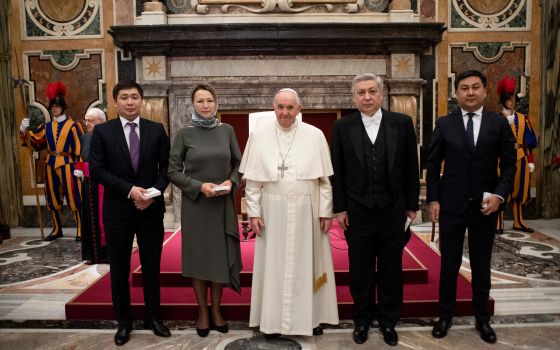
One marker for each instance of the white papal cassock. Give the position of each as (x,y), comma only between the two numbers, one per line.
(293,287)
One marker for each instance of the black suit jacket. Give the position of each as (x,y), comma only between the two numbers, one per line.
(111,165)
(349,177)
(468,174)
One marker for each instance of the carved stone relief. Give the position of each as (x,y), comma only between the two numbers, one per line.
(273,6)
(405,104)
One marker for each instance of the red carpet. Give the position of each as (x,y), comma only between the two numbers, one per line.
(420,263)
(413,270)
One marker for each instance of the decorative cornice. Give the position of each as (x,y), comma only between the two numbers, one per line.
(280,39)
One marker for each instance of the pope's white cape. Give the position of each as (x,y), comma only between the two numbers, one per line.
(261,158)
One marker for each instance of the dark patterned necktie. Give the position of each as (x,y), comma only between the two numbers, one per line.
(470,130)
(134,145)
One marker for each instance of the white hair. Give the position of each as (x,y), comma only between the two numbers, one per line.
(365,77)
(96,112)
(288,90)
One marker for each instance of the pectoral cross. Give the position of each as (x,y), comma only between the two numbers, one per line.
(282,168)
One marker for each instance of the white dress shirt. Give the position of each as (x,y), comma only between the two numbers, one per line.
(477,119)
(126,128)
(372,124)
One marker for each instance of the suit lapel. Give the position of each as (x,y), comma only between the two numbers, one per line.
(391,133)
(460,126)
(482,132)
(144,134)
(120,140)
(355,134)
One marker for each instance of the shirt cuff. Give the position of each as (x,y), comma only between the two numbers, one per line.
(501,198)
(129,193)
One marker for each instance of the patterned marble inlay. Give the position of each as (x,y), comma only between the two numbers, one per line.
(521,255)
(489,15)
(36,258)
(52,18)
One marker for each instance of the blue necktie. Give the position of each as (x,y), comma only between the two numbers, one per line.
(470,130)
(134,145)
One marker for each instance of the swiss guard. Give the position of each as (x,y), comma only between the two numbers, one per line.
(526,141)
(61,138)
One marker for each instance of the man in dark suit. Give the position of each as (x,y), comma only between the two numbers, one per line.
(129,155)
(375,189)
(471,142)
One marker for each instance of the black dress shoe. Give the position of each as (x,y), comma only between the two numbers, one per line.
(271,336)
(500,232)
(122,335)
(360,334)
(441,327)
(158,328)
(202,332)
(390,336)
(524,229)
(486,332)
(318,330)
(53,236)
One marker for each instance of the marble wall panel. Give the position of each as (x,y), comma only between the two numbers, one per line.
(276,67)
(83,78)
(126,68)
(509,63)
(428,10)
(124,12)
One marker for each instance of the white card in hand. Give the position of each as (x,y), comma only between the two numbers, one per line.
(407,223)
(484,196)
(221,188)
(152,192)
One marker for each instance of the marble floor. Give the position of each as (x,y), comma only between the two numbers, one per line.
(37,278)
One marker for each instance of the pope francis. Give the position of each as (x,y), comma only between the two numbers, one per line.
(287,166)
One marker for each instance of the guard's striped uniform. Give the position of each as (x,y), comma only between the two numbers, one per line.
(62,141)
(526,141)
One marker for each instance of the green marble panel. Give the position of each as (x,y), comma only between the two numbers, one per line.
(456,20)
(63,57)
(521,20)
(32,30)
(489,50)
